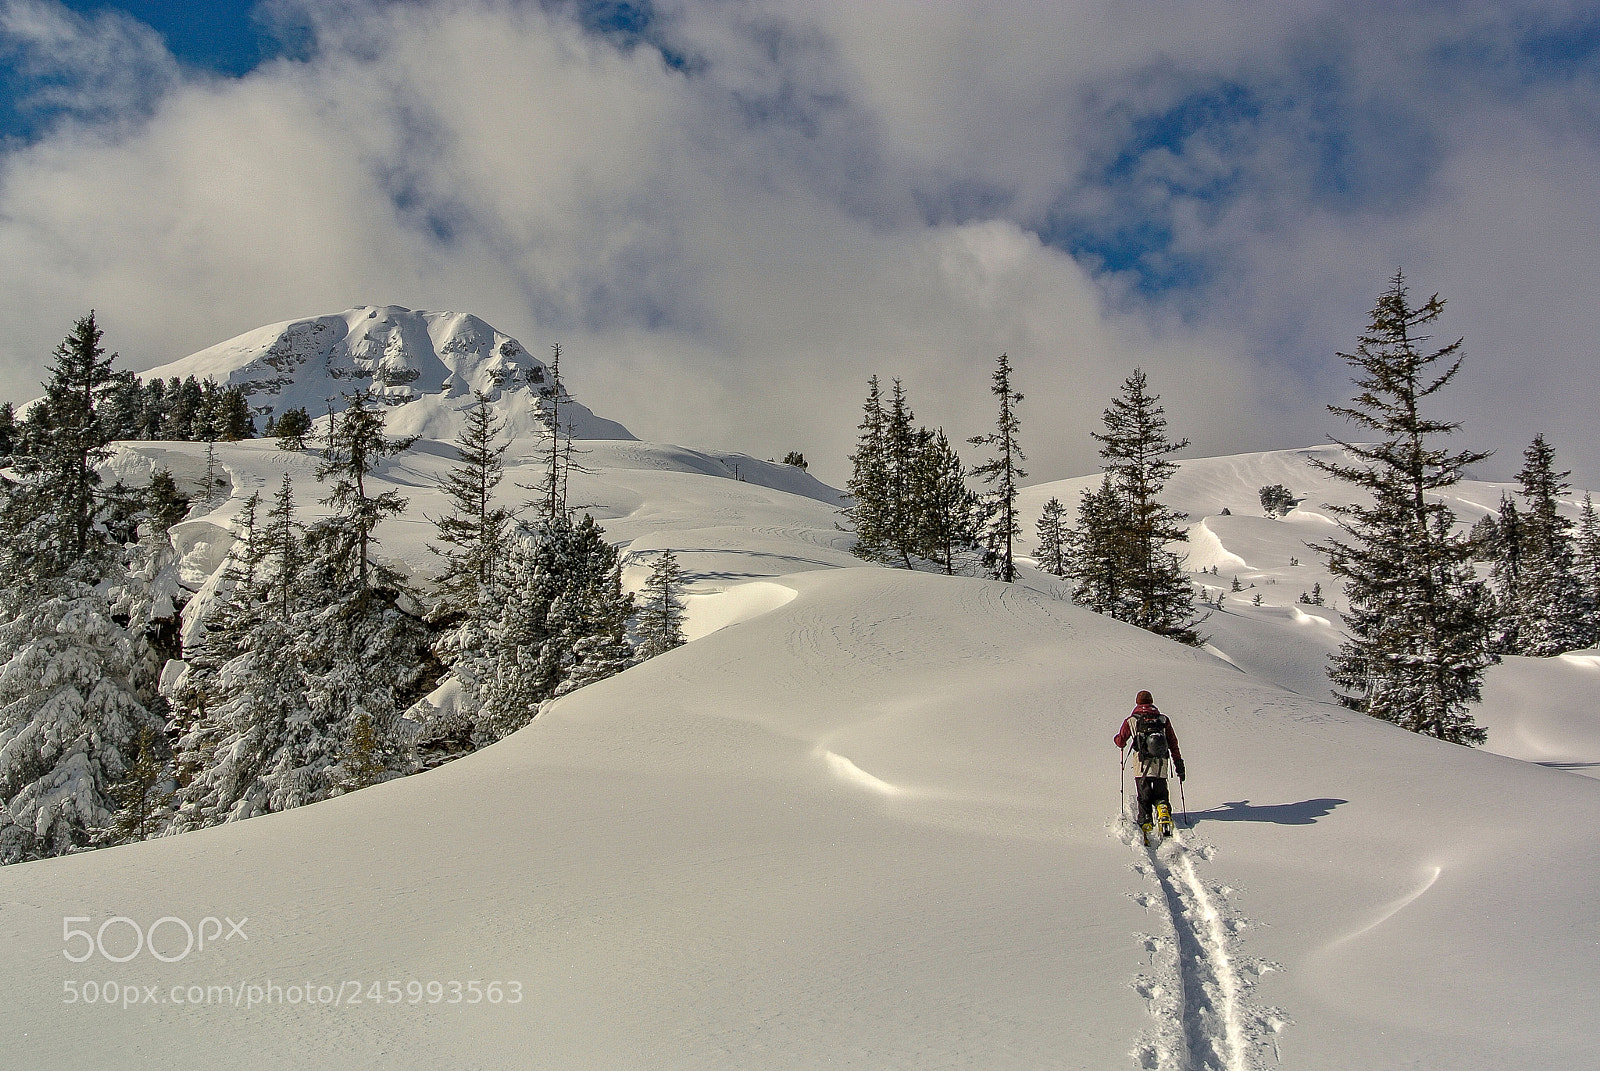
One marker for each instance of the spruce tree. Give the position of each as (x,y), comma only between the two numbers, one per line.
(1548,601)
(1098,556)
(56,508)
(234,420)
(1506,577)
(473,537)
(1153,591)
(292,429)
(1052,531)
(1586,562)
(356,447)
(70,717)
(562,624)
(943,511)
(164,503)
(868,485)
(1416,650)
(1002,473)
(660,619)
(143,796)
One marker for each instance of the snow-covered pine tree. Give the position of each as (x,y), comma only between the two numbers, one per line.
(868,485)
(1002,473)
(1416,649)
(944,510)
(145,595)
(1154,592)
(1549,601)
(593,613)
(563,623)
(356,447)
(70,717)
(659,625)
(165,504)
(1586,560)
(363,655)
(472,538)
(1506,577)
(51,515)
(1052,532)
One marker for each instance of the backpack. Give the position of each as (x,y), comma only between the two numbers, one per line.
(1150,738)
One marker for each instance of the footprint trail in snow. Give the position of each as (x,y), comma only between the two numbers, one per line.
(1199,991)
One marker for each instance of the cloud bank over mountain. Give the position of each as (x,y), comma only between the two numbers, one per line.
(730,213)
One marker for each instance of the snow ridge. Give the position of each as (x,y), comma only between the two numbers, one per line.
(1200,992)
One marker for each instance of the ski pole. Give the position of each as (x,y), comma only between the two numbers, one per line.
(1122,782)
(1186,823)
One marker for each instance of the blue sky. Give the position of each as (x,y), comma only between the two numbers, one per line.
(759,202)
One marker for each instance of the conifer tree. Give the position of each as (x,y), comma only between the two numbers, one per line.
(1547,601)
(1098,557)
(1052,531)
(1416,649)
(474,535)
(1003,473)
(165,504)
(1586,555)
(868,484)
(943,510)
(660,620)
(356,447)
(292,428)
(143,796)
(70,717)
(55,509)
(1506,575)
(1151,589)
(233,418)
(557,458)
(563,623)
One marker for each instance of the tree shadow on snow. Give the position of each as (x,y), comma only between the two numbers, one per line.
(1304,813)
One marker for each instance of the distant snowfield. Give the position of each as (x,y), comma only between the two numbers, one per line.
(869,819)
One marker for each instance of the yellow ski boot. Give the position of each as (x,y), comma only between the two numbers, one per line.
(1164,817)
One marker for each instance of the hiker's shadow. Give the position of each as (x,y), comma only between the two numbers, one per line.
(1284,814)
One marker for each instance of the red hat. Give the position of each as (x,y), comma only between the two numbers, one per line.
(1145,699)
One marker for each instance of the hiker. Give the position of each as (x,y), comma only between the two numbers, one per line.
(1154,745)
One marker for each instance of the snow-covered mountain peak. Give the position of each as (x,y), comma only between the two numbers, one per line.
(424,365)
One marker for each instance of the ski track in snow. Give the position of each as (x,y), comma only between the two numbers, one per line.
(1199,994)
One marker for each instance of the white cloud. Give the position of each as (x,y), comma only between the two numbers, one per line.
(95,68)
(829,191)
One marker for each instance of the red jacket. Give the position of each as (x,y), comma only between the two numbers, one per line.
(1125,733)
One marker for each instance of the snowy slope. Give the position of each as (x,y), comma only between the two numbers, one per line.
(1535,709)
(423,364)
(868,821)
